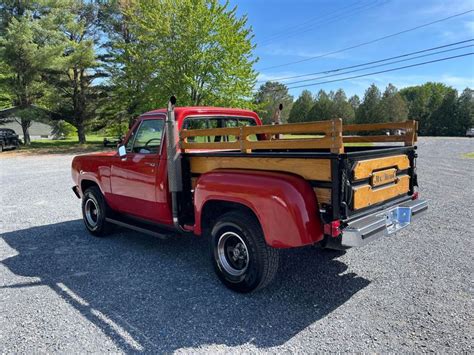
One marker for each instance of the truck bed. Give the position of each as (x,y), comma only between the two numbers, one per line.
(348,181)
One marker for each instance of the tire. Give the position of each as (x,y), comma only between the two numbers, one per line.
(241,258)
(94,212)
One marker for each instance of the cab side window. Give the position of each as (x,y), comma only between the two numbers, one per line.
(216,122)
(148,138)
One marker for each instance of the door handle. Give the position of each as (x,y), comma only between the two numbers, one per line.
(150,164)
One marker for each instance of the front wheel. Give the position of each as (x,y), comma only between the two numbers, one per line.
(241,258)
(94,212)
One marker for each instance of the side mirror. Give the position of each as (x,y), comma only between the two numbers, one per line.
(122,151)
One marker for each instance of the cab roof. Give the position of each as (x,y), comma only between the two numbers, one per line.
(183,112)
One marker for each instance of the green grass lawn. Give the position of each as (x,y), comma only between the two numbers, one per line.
(63,146)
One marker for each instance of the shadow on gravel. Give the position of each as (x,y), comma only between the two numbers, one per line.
(159,296)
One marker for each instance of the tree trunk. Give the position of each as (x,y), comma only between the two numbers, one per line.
(25,125)
(81,135)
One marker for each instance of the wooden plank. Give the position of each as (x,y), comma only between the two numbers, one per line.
(337,146)
(310,169)
(323,195)
(233,131)
(215,145)
(365,195)
(289,144)
(309,127)
(364,168)
(377,126)
(356,139)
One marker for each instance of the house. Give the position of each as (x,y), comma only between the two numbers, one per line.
(38,130)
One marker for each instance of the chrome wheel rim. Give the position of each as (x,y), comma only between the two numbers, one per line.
(232,253)
(91,212)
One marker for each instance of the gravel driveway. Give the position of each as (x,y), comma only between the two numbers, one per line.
(63,291)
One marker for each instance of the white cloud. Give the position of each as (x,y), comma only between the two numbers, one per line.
(444,7)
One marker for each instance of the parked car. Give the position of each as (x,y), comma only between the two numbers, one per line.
(8,139)
(112,142)
(470,133)
(218,173)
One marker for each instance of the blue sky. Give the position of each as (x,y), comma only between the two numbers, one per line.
(292,30)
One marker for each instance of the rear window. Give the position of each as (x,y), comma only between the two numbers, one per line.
(216,122)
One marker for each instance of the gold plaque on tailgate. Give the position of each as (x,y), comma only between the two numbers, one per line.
(383,177)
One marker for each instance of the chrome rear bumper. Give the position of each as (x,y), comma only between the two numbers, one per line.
(366,229)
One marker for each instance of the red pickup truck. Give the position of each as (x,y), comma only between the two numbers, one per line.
(252,189)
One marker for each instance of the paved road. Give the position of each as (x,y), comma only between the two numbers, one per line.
(63,291)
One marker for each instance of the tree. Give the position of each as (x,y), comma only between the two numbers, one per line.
(369,110)
(342,108)
(301,107)
(77,95)
(26,55)
(422,101)
(199,50)
(444,118)
(267,99)
(355,102)
(393,105)
(465,111)
(323,108)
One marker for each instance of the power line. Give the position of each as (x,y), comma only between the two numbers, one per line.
(383,71)
(368,63)
(321,21)
(379,65)
(371,41)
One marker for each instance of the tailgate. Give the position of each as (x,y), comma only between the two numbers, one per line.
(377,180)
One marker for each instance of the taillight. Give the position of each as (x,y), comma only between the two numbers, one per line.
(333,228)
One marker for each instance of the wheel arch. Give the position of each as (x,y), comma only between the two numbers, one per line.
(284,205)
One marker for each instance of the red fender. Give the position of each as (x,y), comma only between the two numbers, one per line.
(284,204)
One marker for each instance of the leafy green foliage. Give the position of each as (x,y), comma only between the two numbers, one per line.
(198,50)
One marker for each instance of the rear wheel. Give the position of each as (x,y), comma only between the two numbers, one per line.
(94,212)
(241,258)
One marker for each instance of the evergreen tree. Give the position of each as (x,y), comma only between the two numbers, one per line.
(301,107)
(342,108)
(393,105)
(323,108)
(369,110)
(355,102)
(267,99)
(26,53)
(77,95)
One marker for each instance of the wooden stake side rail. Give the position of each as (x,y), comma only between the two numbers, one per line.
(330,136)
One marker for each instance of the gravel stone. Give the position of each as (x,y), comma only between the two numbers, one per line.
(64,291)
